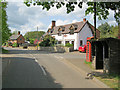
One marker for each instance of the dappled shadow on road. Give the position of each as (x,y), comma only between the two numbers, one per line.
(26,73)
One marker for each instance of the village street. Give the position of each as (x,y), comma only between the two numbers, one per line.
(39,69)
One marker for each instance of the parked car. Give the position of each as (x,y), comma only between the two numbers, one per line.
(82,48)
(25,45)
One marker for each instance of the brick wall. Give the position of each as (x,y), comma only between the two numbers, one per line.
(21,40)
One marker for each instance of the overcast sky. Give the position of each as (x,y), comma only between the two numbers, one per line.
(24,19)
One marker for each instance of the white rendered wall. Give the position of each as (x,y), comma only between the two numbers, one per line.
(76,37)
(68,37)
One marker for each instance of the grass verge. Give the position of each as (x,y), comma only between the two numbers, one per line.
(113,81)
(89,64)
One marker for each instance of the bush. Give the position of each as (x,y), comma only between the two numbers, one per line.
(48,41)
(15,45)
(68,45)
(31,41)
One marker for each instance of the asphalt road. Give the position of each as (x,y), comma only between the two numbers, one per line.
(39,69)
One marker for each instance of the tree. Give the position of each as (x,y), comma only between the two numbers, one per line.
(15,33)
(48,41)
(33,35)
(108,31)
(100,9)
(105,30)
(6,32)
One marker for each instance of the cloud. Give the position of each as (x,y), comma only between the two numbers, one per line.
(21,17)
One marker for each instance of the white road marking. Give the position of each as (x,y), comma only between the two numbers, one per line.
(36,60)
(40,65)
(43,70)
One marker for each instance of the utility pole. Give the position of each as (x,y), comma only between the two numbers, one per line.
(94,20)
(37,37)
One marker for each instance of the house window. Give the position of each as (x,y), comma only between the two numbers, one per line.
(72,31)
(81,42)
(59,42)
(66,42)
(59,33)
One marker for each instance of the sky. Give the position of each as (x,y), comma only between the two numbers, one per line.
(24,19)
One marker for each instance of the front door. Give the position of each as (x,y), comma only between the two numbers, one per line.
(73,44)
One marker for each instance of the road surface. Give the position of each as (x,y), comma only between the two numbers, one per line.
(39,69)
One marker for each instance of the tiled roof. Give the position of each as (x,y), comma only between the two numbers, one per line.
(14,37)
(79,26)
(67,26)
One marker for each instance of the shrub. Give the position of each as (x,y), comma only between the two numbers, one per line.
(6,44)
(68,45)
(31,41)
(48,41)
(15,45)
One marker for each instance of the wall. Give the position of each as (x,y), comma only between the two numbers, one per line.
(114,56)
(67,37)
(57,49)
(76,37)
(83,34)
(32,48)
(21,41)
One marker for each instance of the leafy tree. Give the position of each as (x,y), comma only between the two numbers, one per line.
(115,31)
(6,32)
(33,35)
(48,41)
(15,33)
(100,9)
(108,31)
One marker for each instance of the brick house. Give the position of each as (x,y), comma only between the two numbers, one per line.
(19,39)
(74,33)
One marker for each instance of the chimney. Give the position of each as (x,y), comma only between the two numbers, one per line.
(18,32)
(84,19)
(53,24)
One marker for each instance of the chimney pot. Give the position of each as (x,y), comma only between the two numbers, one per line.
(84,19)
(53,24)
(18,32)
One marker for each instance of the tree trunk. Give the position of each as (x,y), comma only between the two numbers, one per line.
(119,29)
(94,20)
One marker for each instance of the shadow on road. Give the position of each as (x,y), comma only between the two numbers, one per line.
(23,72)
(24,51)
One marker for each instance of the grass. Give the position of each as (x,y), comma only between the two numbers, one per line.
(112,80)
(4,51)
(89,64)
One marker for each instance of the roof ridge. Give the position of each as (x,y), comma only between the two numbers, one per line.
(70,23)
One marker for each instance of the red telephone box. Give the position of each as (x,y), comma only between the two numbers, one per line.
(88,50)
